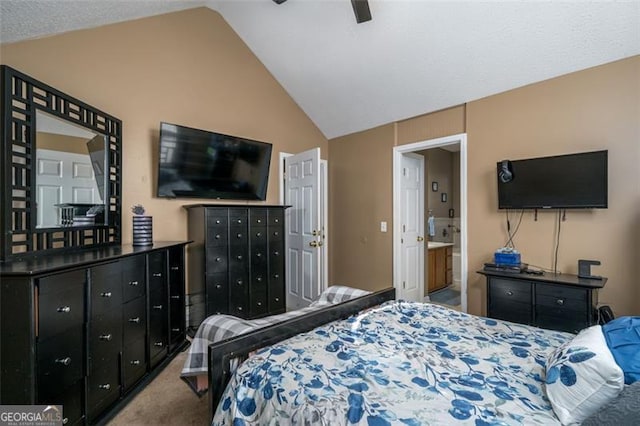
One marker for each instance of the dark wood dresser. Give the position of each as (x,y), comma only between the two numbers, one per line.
(561,302)
(236,260)
(88,329)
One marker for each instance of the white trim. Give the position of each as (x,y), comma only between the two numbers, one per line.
(281,170)
(398,151)
(324,194)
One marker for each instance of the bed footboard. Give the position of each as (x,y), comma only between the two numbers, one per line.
(221,354)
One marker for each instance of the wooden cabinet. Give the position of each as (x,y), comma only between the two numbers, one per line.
(554,301)
(440,268)
(236,260)
(86,330)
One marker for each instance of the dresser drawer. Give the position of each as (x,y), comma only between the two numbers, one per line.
(510,311)
(571,324)
(106,288)
(59,362)
(105,335)
(259,302)
(157,270)
(60,303)
(103,389)
(134,363)
(257,217)
(276,218)
(134,320)
(558,292)
(238,235)
(217,293)
(71,401)
(238,217)
(512,291)
(217,235)
(217,259)
(239,258)
(133,277)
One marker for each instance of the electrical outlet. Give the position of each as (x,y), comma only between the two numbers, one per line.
(383,226)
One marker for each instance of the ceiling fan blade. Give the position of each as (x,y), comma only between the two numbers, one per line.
(279,1)
(361,9)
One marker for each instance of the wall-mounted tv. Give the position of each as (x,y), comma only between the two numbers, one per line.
(197,163)
(572,181)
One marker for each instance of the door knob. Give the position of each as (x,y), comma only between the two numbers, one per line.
(420,239)
(313,243)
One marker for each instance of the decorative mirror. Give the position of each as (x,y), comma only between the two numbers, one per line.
(61,179)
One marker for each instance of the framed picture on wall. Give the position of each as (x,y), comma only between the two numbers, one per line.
(434,186)
(443,197)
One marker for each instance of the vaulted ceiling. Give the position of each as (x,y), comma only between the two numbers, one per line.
(413,57)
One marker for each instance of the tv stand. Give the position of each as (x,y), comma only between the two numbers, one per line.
(562,302)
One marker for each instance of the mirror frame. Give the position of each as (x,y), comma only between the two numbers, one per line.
(21,97)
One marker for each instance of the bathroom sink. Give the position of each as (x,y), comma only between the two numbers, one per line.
(437,244)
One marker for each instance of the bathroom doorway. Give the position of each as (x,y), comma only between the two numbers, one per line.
(445,277)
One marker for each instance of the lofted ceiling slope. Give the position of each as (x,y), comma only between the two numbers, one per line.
(413,57)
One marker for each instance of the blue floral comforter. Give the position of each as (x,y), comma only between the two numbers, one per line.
(400,363)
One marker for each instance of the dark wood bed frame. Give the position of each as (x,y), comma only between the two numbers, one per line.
(221,354)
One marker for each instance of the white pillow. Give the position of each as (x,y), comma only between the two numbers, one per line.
(582,376)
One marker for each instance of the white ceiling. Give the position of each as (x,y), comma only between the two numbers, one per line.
(413,57)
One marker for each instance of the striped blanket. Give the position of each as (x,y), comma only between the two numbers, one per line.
(217,328)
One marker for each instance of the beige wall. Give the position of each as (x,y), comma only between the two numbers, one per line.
(598,108)
(63,143)
(359,187)
(188,68)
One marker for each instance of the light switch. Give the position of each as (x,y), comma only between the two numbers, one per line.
(383,226)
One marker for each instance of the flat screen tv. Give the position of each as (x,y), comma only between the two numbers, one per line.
(572,181)
(200,164)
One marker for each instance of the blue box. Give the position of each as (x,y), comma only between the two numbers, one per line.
(508,259)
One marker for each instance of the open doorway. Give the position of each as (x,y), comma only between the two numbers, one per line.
(445,216)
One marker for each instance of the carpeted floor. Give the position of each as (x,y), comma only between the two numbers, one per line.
(167,400)
(447,296)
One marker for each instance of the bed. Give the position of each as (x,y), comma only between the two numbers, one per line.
(396,362)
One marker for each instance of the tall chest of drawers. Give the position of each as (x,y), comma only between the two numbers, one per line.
(236,260)
(88,330)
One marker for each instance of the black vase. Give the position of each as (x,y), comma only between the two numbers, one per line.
(142,230)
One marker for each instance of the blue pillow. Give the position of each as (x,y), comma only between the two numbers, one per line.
(623,338)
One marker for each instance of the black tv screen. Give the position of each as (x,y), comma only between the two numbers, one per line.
(200,164)
(569,181)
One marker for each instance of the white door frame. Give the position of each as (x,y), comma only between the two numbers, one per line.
(398,151)
(324,216)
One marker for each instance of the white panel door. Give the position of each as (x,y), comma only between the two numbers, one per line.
(412,227)
(304,234)
(62,177)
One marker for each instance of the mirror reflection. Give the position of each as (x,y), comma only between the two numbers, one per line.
(70,173)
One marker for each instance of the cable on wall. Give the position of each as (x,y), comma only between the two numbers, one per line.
(512,235)
(561,217)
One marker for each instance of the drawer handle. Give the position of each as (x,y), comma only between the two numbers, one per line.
(276,276)
(277,299)
(258,254)
(64,309)
(276,233)
(240,308)
(239,220)
(135,320)
(157,307)
(258,234)
(239,257)
(63,361)
(106,386)
(135,362)
(218,259)
(106,337)
(276,220)
(509,293)
(217,236)
(176,330)
(65,420)
(560,302)
(157,274)
(133,283)
(259,220)
(239,235)
(177,297)
(276,253)
(218,286)
(259,279)
(259,303)
(105,294)
(218,222)
(175,268)
(158,344)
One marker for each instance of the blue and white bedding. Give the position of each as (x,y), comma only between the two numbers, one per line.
(401,363)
